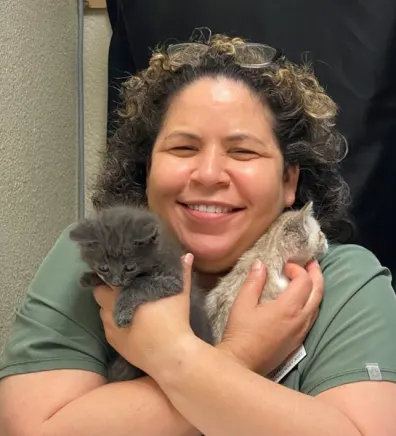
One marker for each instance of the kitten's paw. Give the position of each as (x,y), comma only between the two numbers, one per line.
(121,322)
(91,280)
(124,309)
(121,370)
(123,319)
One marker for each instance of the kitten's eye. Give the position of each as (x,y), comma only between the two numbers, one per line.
(103,269)
(129,268)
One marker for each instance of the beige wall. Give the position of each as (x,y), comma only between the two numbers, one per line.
(38,131)
(96,46)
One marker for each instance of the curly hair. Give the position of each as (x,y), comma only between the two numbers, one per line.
(304,126)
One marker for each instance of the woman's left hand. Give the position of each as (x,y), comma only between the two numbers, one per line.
(157,327)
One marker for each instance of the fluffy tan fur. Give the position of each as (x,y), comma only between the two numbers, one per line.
(294,237)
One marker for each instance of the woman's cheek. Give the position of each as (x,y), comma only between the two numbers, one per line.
(165,184)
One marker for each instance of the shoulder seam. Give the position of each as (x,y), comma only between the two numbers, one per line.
(341,374)
(24,362)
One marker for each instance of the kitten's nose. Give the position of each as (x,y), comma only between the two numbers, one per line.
(116,281)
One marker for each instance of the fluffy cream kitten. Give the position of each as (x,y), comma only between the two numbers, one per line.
(294,237)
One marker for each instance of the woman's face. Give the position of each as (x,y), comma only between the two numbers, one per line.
(217,176)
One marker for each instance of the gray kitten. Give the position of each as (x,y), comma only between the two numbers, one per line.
(294,237)
(128,247)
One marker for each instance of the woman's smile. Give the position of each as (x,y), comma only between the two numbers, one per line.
(210,212)
(217,176)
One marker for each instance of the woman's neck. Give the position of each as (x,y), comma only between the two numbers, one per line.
(207,281)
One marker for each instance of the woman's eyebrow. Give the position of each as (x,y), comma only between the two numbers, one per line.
(237,137)
(181,134)
(240,137)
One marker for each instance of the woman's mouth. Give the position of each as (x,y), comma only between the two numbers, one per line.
(209,212)
(210,208)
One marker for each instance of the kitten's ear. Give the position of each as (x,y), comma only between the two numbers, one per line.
(150,233)
(307,210)
(84,232)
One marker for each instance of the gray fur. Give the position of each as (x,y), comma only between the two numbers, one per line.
(129,248)
(295,236)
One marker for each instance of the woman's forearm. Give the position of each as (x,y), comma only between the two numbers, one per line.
(131,408)
(221,397)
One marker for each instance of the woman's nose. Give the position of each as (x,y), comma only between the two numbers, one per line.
(211,168)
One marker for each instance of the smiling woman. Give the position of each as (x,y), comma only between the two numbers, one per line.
(230,149)
(217,139)
(251,139)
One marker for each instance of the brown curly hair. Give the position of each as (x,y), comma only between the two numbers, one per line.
(304,126)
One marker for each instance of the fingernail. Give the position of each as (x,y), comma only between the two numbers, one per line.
(257,265)
(188,259)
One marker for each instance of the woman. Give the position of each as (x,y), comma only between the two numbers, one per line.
(230,125)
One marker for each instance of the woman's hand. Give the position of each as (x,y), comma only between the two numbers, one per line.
(261,336)
(157,329)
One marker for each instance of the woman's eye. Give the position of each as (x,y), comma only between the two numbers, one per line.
(184,150)
(104,268)
(242,153)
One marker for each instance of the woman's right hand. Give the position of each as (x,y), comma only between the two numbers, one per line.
(261,336)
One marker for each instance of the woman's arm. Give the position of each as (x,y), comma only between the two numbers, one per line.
(218,390)
(79,403)
(221,397)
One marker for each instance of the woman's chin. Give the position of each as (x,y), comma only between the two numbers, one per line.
(213,260)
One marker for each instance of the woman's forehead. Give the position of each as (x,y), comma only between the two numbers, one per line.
(220,104)
(219,90)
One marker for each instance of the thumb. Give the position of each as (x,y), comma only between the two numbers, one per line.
(250,292)
(187,262)
(299,289)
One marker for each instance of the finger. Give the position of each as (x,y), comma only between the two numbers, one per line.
(251,290)
(187,261)
(104,296)
(314,317)
(106,316)
(315,273)
(300,287)
(293,271)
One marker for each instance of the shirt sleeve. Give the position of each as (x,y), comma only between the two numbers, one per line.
(354,337)
(58,325)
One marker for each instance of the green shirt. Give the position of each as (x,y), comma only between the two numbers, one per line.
(58,325)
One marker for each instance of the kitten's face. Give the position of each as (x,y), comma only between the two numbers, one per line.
(120,244)
(303,240)
(119,268)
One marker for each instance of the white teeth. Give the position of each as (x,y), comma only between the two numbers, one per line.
(209,209)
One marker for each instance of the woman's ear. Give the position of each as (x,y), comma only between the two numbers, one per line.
(290,182)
